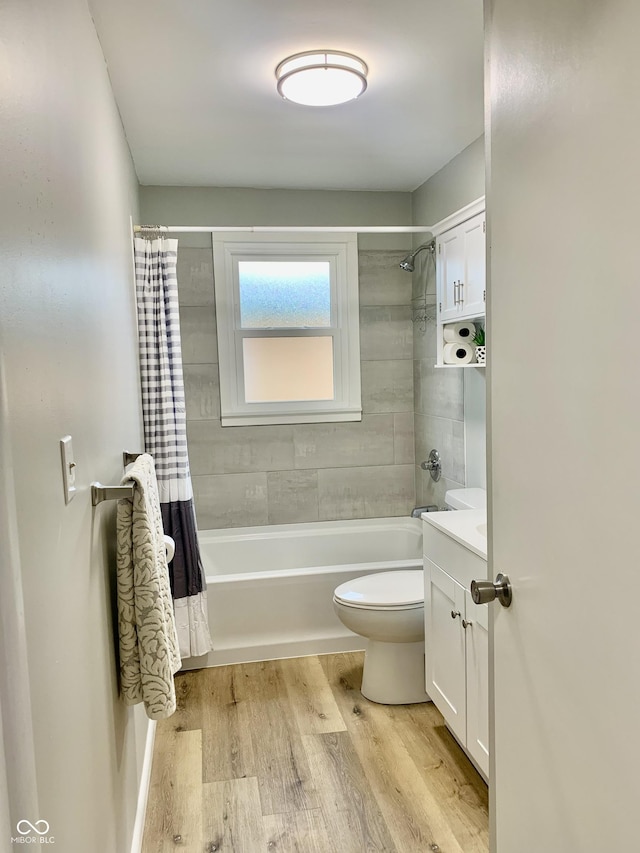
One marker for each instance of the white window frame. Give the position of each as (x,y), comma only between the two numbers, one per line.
(341,251)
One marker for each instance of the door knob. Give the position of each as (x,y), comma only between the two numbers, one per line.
(483,592)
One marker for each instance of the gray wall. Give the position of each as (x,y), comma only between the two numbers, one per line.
(307,472)
(439,393)
(456,184)
(68,365)
(238,206)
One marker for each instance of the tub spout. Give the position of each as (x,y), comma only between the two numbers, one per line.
(417,511)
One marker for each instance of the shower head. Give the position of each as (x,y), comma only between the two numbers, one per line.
(407,263)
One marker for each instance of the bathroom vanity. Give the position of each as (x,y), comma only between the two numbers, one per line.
(456,629)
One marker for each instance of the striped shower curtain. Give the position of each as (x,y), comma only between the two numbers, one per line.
(165,434)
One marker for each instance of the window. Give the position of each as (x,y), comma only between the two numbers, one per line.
(288,339)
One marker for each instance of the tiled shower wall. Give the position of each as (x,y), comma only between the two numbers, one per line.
(440,392)
(439,396)
(254,475)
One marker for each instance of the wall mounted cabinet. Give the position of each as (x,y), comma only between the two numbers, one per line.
(461,288)
(460,271)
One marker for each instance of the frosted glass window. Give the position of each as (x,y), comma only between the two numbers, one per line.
(288,369)
(284,294)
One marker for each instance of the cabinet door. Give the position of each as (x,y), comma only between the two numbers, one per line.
(473,287)
(445,640)
(450,271)
(477,673)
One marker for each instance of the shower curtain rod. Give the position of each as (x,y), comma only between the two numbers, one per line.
(361,229)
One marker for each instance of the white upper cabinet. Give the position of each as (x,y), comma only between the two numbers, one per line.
(449,273)
(460,265)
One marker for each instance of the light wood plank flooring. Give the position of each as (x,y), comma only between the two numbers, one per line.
(288,757)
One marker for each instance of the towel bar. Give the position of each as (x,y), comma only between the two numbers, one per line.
(128,458)
(101,493)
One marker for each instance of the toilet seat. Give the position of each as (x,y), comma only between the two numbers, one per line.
(383,591)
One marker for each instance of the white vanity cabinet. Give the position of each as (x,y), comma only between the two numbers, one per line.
(460,271)
(456,633)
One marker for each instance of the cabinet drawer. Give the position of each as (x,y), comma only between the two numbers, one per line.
(452,557)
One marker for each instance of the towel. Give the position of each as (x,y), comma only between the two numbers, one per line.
(149,654)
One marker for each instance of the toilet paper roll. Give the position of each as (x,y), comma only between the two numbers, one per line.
(459,332)
(170,547)
(458,353)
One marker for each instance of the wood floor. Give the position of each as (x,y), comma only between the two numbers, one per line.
(287,756)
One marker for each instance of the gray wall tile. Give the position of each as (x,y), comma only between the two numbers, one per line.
(283,460)
(403,438)
(381,280)
(386,332)
(230,500)
(424,341)
(438,391)
(365,492)
(430,492)
(198,334)
(447,437)
(195,276)
(292,496)
(366,442)
(202,391)
(214,449)
(387,386)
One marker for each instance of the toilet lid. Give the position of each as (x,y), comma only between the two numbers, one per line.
(387,589)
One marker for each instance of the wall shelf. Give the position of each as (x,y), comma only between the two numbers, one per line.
(460,366)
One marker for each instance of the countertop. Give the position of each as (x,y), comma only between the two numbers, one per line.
(464,525)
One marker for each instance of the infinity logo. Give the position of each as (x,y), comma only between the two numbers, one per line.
(24,827)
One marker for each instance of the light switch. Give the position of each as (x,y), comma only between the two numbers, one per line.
(68,468)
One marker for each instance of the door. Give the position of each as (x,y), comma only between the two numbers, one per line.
(564,435)
(473,284)
(450,267)
(445,657)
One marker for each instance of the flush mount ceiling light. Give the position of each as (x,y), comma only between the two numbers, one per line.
(321,78)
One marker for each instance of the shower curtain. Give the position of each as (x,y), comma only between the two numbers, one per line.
(165,434)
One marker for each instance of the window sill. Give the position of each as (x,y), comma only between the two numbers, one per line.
(302,418)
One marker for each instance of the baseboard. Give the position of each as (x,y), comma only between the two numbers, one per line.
(274,651)
(143,791)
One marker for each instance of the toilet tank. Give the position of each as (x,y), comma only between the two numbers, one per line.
(466,499)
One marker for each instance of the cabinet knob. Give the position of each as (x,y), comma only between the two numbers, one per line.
(482,592)
(455,614)
(466,623)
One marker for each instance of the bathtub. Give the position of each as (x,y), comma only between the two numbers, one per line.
(270,589)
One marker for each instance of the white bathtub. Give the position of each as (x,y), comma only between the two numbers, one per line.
(270,589)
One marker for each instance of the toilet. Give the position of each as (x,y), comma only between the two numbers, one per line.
(388,609)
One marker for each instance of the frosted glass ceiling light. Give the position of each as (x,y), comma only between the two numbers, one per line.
(321,78)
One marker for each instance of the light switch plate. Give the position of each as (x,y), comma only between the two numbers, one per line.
(68,468)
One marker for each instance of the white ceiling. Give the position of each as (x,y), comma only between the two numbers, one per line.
(195,85)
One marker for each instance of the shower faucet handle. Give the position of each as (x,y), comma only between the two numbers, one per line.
(433,465)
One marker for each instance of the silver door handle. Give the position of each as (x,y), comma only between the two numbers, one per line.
(461,291)
(482,592)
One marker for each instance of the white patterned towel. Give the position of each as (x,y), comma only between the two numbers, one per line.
(149,654)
